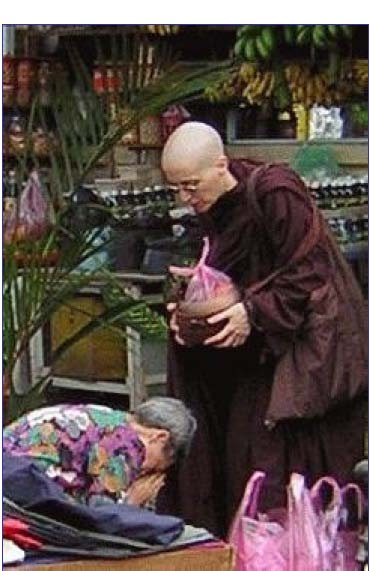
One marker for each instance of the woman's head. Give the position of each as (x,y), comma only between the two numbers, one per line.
(166,427)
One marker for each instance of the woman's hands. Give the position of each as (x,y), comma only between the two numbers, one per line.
(144,489)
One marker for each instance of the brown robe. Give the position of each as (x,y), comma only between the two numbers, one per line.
(229,390)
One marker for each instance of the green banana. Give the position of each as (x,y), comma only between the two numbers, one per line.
(334,31)
(250,50)
(320,37)
(262,48)
(269,38)
(247,31)
(239,47)
(304,35)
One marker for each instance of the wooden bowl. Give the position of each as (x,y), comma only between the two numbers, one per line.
(192,317)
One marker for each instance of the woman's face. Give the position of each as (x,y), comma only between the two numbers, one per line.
(157,456)
(158,450)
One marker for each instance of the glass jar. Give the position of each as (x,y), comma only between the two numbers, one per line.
(16,135)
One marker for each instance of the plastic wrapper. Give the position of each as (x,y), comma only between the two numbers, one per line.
(205,282)
(325,123)
(33,216)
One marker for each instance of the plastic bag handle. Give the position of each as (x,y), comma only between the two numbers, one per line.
(189,272)
(359,496)
(248,504)
(204,253)
(337,497)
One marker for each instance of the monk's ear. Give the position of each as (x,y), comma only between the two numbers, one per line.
(222,164)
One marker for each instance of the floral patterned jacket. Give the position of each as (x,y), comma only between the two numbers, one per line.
(90,450)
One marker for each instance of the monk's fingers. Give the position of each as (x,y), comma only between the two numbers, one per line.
(233,340)
(219,337)
(179,340)
(173,323)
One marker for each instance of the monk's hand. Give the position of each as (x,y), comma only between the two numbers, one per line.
(236,330)
(144,489)
(171,308)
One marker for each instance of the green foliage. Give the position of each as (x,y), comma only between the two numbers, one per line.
(34,289)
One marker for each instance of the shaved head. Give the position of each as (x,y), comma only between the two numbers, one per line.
(194,162)
(192,144)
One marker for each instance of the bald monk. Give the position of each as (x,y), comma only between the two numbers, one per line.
(267,235)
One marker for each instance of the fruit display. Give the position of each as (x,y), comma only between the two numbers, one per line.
(309,87)
(259,85)
(267,73)
(256,43)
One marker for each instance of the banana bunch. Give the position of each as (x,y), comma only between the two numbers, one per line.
(360,71)
(290,34)
(223,90)
(260,87)
(327,36)
(303,34)
(322,36)
(162,29)
(255,43)
(247,71)
(307,88)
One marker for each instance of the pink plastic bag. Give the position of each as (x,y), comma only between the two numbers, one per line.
(205,282)
(309,540)
(33,217)
(348,542)
(259,545)
(313,530)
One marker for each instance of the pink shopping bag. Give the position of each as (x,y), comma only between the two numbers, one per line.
(348,543)
(313,529)
(259,545)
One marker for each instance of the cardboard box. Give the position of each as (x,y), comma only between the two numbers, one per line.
(211,558)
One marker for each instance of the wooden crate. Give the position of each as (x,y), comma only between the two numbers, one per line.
(100,355)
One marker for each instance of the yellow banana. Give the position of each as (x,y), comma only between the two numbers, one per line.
(271,86)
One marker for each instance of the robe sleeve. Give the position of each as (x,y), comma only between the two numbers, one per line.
(278,310)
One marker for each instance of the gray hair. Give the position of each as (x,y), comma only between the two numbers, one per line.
(172,415)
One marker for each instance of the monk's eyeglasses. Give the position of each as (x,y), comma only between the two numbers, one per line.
(189,186)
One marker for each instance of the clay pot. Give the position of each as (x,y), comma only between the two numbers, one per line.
(192,317)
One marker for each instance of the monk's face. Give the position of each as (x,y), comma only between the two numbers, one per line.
(197,187)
